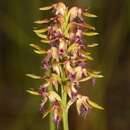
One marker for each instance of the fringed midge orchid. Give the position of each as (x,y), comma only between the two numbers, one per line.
(65,62)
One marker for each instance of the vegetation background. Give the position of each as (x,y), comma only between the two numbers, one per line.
(20,111)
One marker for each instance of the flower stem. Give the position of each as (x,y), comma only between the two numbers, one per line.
(64,93)
(65,112)
(52,125)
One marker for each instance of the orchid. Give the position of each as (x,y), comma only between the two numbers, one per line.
(64,62)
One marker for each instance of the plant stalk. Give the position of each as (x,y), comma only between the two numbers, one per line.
(63,92)
(65,112)
(52,125)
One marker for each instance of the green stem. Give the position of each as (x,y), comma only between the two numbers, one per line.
(65,112)
(63,92)
(52,125)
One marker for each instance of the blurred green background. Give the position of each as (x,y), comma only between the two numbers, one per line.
(20,111)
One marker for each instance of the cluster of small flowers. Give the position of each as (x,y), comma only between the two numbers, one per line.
(65,60)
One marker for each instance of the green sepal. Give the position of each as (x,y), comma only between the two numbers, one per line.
(40,52)
(90,33)
(90,15)
(92,45)
(95,74)
(46,8)
(33,92)
(94,105)
(33,76)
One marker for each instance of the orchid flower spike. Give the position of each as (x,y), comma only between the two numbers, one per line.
(65,62)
